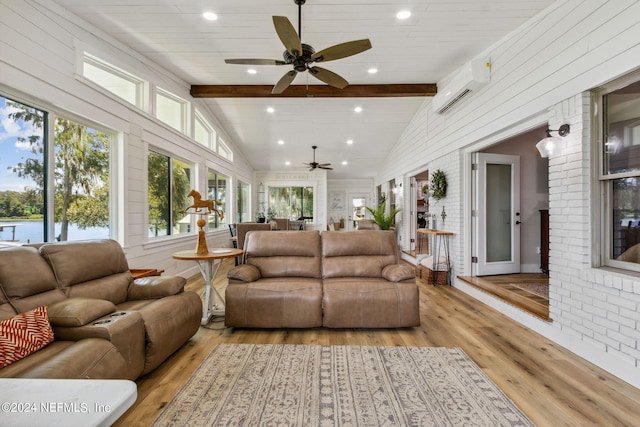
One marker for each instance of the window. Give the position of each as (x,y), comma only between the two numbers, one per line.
(224,150)
(168,186)
(171,109)
(619,134)
(217,190)
(119,82)
(242,202)
(291,202)
(203,132)
(79,180)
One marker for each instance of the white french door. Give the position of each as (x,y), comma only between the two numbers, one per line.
(497,217)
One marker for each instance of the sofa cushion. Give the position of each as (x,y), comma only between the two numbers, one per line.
(398,273)
(362,253)
(79,311)
(23,335)
(279,302)
(27,281)
(284,253)
(155,287)
(88,358)
(351,302)
(82,261)
(244,273)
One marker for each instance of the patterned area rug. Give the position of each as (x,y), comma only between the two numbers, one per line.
(540,289)
(307,385)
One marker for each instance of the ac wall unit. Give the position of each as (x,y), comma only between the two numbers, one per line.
(473,76)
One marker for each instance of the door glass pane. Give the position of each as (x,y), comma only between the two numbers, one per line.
(498,189)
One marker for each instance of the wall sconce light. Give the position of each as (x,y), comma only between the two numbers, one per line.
(548,145)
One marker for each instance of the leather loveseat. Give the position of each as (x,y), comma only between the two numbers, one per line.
(105,324)
(304,279)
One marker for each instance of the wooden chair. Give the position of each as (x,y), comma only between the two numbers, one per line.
(282,223)
(243,228)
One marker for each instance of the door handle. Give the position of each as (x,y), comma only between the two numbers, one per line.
(518,223)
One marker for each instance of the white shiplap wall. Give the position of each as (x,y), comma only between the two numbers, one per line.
(38,63)
(542,73)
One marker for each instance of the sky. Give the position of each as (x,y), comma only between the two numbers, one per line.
(11,151)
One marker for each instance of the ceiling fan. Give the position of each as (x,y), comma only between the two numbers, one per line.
(315,165)
(302,55)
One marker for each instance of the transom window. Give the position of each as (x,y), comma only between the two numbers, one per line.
(117,81)
(171,109)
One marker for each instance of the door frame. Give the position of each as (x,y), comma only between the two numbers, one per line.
(511,266)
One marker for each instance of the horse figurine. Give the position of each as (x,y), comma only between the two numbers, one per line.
(208,206)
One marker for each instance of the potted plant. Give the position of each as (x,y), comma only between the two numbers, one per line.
(260,217)
(380,217)
(271,214)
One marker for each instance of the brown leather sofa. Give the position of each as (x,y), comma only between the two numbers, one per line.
(304,279)
(105,323)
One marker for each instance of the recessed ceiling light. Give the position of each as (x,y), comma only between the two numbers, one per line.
(270,109)
(358,109)
(372,70)
(287,163)
(210,16)
(252,71)
(403,14)
(349,141)
(280,142)
(344,163)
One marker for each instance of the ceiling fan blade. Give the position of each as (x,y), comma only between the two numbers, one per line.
(284,82)
(325,167)
(288,35)
(341,50)
(329,77)
(249,61)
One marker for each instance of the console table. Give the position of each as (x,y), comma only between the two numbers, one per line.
(209,264)
(440,242)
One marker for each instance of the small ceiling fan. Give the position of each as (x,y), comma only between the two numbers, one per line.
(315,165)
(302,55)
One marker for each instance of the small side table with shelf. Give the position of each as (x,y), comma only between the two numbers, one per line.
(438,244)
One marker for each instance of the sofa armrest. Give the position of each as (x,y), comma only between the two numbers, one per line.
(155,287)
(398,272)
(74,312)
(124,329)
(244,273)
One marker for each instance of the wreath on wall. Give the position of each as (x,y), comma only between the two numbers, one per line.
(438,187)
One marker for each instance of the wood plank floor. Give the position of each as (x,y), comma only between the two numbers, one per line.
(549,384)
(505,287)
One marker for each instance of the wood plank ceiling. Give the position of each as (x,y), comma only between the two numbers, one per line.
(438,37)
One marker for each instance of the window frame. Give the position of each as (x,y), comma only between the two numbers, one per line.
(184,109)
(172,157)
(141,85)
(604,181)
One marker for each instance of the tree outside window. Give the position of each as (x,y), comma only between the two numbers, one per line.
(80,175)
(291,202)
(217,190)
(168,186)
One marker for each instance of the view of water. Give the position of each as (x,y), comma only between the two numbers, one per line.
(33,231)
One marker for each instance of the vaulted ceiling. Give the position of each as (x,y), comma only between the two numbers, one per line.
(438,37)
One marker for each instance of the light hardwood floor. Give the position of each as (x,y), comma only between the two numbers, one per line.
(549,384)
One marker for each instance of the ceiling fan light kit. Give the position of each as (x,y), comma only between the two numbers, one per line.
(301,55)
